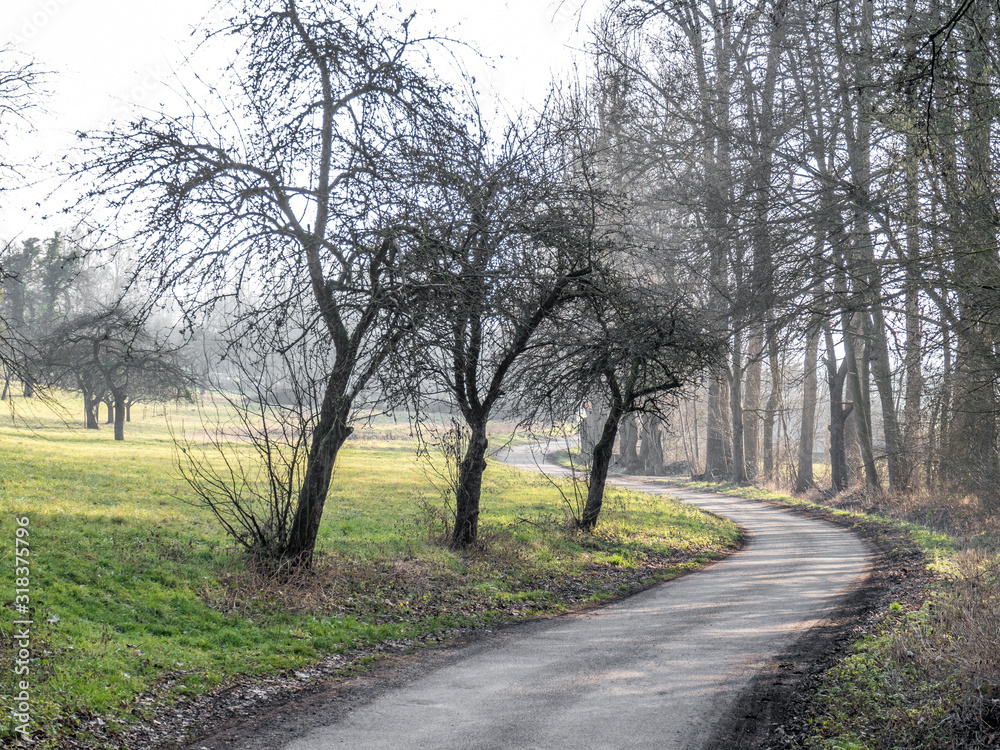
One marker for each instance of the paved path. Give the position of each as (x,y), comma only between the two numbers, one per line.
(653,671)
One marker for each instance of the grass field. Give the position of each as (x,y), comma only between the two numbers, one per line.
(131,583)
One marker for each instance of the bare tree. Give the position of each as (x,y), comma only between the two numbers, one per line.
(110,354)
(20,82)
(503,240)
(293,199)
(633,338)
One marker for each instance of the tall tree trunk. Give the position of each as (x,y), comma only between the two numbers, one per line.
(695,442)
(911,284)
(736,410)
(751,405)
(716,466)
(946,399)
(839,411)
(764,134)
(807,428)
(882,375)
(859,394)
(773,402)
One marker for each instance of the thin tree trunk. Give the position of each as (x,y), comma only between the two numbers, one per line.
(751,405)
(911,284)
(736,411)
(807,428)
(773,402)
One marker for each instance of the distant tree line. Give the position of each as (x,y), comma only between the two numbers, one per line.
(75,330)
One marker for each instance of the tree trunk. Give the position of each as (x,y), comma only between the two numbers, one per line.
(90,411)
(751,405)
(807,428)
(859,394)
(773,402)
(911,284)
(628,459)
(590,430)
(839,412)
(716,466)
(327,439)
(895,452)
(603,452)
(119,414)
(736,410)
(470,485)
(651,455)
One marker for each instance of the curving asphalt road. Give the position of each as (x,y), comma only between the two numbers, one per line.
(653,671)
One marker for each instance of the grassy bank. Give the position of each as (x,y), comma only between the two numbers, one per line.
(927,675)
(132,586)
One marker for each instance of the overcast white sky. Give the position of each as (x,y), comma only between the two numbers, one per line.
(108,54)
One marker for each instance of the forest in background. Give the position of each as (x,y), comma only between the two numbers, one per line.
(833,166)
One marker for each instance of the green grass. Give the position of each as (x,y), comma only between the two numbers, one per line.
(131,583)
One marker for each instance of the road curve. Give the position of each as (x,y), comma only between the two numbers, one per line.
(653,671)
